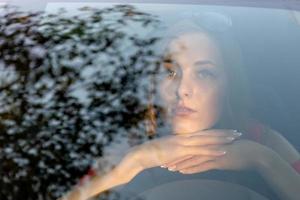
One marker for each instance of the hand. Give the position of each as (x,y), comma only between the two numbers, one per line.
(240,155)
(209,144)
(155,153)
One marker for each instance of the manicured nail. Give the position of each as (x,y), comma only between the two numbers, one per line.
(237,134)
(172,168)
(230,138)
(221,153)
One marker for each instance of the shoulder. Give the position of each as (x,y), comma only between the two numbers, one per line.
(271,138)
(276,141)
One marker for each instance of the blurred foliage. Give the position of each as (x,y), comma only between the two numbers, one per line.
(69,84)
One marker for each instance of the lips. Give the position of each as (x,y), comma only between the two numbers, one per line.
(183,111)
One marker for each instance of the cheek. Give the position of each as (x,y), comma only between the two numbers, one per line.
(210,92)
(166,92)
(209,97)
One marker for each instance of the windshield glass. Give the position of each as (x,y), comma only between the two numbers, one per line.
(149,101)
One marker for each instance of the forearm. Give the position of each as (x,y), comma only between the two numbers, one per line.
(96,185)
(280,175)
(121,174)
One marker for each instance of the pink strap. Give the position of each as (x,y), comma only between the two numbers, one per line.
(296,166)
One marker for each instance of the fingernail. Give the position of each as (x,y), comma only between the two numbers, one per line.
(230,138)
(162,166)
(237,134)
(221,153)
(172,168)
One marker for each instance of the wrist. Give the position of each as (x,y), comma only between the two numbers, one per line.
(129,166)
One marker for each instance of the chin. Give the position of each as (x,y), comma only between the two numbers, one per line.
(186,127)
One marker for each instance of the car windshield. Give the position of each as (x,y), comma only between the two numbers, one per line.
(155,100)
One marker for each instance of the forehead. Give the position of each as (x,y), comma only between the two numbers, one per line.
(194,46)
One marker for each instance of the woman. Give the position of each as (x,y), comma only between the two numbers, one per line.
(201,88)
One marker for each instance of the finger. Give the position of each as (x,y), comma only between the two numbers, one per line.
(191,162)
(177,161)
(215,132)
(204,151)
(200,168)
(207,140)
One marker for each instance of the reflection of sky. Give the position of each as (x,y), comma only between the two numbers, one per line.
(166,12)
(177,10)
(171,13)
(251,22)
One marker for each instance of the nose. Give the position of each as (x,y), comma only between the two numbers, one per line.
(185,88)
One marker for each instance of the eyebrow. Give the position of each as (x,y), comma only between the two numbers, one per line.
(204,62)
(167,60)
(167,57)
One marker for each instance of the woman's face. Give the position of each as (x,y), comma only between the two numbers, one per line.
(193,84)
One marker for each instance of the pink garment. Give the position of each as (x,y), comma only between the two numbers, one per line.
(255,131)
(296,166)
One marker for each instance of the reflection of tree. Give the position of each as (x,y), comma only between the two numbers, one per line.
(68,85)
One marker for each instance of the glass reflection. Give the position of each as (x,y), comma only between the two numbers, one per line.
(103,103)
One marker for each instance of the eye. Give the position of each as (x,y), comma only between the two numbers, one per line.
(204,73)
(171,73)
(169,67)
